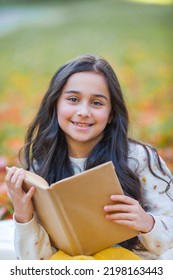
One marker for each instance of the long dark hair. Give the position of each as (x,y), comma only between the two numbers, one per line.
(46,150)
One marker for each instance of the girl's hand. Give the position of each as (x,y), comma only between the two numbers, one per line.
(21,200)
(128,212)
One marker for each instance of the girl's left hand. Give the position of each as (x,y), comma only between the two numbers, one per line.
(128,212)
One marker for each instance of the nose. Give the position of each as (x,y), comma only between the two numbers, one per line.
(83,110)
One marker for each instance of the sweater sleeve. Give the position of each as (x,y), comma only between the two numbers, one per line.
(157,195)
(31,241)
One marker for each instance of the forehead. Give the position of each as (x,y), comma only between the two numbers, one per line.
(87,81)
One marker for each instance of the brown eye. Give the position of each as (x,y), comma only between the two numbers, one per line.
(73,99)
(97,103)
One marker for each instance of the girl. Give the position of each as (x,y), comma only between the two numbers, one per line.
(81,123)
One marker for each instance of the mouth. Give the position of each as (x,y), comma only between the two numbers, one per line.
(79,124)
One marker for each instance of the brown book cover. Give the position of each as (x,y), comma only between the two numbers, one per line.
(72,210)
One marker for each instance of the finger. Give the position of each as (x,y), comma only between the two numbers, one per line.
(19,180)
(10,173)
(16,189)
(127,223)
(30,193)
(118,208)
(123,198)
(121,216)
(19,173)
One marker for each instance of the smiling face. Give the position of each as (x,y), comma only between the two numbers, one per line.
(83,111)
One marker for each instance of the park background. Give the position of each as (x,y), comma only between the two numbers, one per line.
(36,37)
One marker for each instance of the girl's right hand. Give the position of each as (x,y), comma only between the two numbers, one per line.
(21,200)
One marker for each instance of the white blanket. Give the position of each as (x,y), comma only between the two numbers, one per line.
(7,251)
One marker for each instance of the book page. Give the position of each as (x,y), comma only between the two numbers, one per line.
(32,179)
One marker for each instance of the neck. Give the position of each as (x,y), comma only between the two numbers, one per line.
(82,150)
(79,153)
(78,149)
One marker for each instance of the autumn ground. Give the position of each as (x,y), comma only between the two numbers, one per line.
(36,39)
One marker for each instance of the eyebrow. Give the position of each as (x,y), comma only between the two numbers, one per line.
(78,92)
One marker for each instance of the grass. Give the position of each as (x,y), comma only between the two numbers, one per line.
(136,38)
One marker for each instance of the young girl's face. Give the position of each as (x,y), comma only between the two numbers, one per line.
(83,110)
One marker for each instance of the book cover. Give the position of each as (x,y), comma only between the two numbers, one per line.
(72,210)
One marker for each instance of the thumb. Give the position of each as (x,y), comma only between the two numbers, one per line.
(30,193)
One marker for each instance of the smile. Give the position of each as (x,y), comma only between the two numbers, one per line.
(81,124)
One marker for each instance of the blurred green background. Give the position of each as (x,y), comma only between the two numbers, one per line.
(136,37)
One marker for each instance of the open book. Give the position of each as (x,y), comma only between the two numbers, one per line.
(71,210)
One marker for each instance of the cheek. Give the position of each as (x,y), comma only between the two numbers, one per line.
(63,113)
(104,117)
